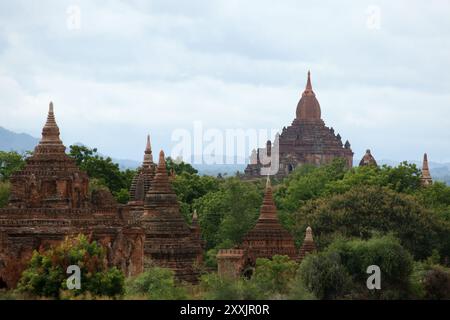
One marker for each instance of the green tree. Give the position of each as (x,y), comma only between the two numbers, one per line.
(307,182)
(339,272)
(179,166)
(46,273)
(104,170)
(227,214)
(324,276)
(274,276)
(155,284)
(10,162)
(191,186)
(365,211)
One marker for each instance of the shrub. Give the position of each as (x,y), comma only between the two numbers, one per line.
(46,273)
(156,284)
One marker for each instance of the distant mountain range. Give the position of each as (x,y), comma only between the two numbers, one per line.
(21,142)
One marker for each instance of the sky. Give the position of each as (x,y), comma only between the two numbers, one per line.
(118,70)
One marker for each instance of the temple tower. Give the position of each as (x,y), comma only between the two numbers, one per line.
(268,237)
(426,179)
(169,241)
(368,160)
(308,245)
(306,141)
(50,178)
(142,180)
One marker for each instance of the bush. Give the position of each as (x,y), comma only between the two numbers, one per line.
(339,272)
(273,276)
(437,283)
(46,273)
(155,284)
(218,288)
(367,211)
(324,276)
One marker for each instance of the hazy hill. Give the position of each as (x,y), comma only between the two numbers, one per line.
(20,142)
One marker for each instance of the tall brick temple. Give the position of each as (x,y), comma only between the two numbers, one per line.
(266,239)
(169,241)
(50,200)
(306,141)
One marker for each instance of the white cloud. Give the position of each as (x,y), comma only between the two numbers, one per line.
(142,66)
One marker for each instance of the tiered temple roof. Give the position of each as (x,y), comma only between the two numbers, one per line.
(143,179)
(50,200)
(50,178)
(306,141)
(268,237)
(169,241)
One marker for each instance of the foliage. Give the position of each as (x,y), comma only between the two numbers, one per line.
(307,182)
(339,272)
(404,178)
(46,273)
(191,186)
(365,211)
(155,284)
(273,276)
(324,276)
(222,288)
(179,166)
(104,170)
(227,214)
(5,189)
(436,283)
(10,162)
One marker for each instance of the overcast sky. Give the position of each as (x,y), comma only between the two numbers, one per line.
(380,70)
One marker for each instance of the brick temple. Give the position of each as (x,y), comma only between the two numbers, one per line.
(266,239)
(306,141)
(50,200)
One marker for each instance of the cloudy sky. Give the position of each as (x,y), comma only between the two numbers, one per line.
(116,70)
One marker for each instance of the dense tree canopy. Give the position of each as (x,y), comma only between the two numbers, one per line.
(10,162)
(104,170)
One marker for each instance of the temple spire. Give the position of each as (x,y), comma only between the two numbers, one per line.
(308,83)
(308,245)
(50,135)
(268,209)
(148,156)
(426,176)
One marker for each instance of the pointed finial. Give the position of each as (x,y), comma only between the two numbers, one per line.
(194,215)
(268,185)
(308,235)
(50,107)
(162,159)
(308,83)
(148,147)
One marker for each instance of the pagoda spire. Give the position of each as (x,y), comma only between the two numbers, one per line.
(148,156)
(268,209)
(308,82)
(308,245)
(161,182)
(50,132)
(426,176)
